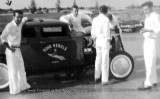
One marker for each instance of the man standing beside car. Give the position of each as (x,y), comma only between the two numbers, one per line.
(75,19)
(11,38)
(150,33)
(100,33)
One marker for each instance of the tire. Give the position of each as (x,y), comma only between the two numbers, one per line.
(121,65)
(4,82)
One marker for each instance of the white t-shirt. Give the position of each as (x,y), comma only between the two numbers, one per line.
(76,21)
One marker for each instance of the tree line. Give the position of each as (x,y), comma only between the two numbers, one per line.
(34,9)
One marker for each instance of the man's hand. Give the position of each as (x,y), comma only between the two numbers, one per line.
(7,45)
(12,49)
(143,30)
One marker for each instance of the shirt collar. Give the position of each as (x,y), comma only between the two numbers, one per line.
(102,14)
(14,23)
(149,14)
(74,16)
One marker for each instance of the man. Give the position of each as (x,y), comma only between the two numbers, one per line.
(75,18)
(150,33)
(100,33)
(11,38)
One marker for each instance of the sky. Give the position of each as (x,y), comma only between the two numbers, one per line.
(19,4)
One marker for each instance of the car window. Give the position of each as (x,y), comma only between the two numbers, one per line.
(54,31)
(28,32)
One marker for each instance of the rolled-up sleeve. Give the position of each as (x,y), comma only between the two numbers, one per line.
(5,33)
(114,21)
(65,18)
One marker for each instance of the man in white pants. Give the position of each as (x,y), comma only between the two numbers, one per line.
(11,38)
(100,33)
(150,33)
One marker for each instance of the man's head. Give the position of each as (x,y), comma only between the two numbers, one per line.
(75,10)
(147,7)
(17,16)
(103,9)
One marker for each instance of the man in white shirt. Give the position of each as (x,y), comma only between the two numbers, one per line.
(150,33)
(11,38)
(75,19)
(100,33)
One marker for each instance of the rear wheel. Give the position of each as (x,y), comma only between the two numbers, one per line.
(4,82)
(121,65)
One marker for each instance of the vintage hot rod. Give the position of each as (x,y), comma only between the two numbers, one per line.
(49,46)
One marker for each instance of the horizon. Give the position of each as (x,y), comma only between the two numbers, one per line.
(19,4)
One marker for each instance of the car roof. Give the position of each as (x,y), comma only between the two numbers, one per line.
(44,22)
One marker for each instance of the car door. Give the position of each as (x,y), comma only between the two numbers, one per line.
(54,48)
(29,48)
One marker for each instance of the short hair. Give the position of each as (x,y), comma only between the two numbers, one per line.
(103,9)
(17,11)
(148,3)
(75,6)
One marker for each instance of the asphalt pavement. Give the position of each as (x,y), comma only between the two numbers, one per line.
(47,87)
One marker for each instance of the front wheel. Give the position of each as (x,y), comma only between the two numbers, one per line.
(3,76)
(121,65)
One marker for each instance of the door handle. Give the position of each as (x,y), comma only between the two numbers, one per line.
(42,42)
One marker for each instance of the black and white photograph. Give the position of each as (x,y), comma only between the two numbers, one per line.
(79,49)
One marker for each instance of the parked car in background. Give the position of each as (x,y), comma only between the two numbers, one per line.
(39,12)
(130,25)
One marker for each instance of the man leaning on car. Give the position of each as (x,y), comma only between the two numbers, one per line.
(11,38)
(75,18)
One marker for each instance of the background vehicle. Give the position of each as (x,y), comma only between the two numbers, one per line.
(130,25)
(49,46)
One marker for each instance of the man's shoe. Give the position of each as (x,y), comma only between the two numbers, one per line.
(145,88)
(155,85)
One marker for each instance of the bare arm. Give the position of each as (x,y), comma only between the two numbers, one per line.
(65,18)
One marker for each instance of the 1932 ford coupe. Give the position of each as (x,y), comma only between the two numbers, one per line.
(49,46)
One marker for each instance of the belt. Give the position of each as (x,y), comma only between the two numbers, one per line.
(15,46)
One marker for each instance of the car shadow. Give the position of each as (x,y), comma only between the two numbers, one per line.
(50,82)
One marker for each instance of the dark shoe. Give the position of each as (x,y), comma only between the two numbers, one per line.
(96,81)
(155,85)
(145,88)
